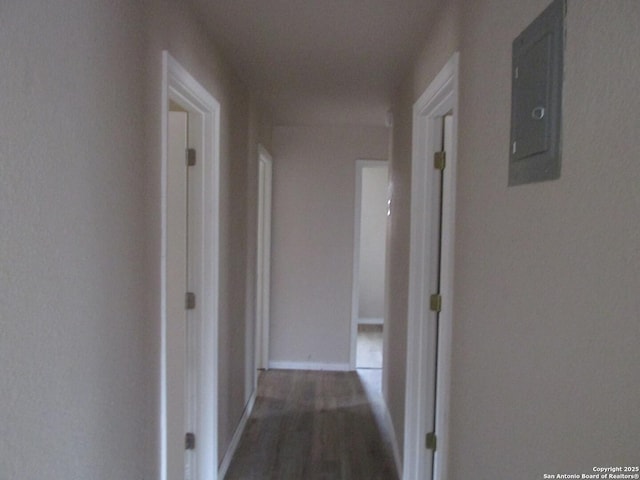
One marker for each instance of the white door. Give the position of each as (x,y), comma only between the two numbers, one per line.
(177,334)
(194,288)
(185,288)
(432,321)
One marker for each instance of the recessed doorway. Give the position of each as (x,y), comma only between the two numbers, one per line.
(370,225)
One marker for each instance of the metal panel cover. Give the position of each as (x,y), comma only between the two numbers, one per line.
(536,97)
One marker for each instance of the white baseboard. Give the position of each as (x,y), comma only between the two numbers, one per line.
(235,440)
(334,367)
(370,321)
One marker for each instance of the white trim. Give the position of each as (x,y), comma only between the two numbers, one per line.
(355,289)
(370,321)
(332,367)
(440,98)
(237,435)
(263,259)
(178,85)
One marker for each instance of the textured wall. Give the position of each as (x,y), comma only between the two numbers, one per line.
(373,235)
(312,243)
(546,314)
(80,219)
(547,273)
(77,390)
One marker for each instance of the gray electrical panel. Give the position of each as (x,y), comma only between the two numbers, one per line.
(536,98)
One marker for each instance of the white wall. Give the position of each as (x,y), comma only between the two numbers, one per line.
(373,234)
(312,243)
(77,392)
(548,274)
(80,220)
(546,311)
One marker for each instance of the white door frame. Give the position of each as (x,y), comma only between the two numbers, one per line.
(179,86)
(440,98)
(263,275)
(355,290)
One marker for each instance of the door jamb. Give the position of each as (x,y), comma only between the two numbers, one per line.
(178,85)
(440,98)
(355,295)
(265,165)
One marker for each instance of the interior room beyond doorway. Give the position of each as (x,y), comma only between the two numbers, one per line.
(369,263)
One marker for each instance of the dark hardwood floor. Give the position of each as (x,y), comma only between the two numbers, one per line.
(310,425)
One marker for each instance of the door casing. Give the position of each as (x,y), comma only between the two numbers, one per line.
(202,365)
(438,100)
(263,276)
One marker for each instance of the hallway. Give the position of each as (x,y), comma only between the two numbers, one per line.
(314,425)
(544,311)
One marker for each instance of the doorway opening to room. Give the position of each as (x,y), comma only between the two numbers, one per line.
(370,230)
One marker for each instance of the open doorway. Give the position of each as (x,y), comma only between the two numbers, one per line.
(370,224)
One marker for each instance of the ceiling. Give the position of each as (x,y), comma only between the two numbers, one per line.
(320,61)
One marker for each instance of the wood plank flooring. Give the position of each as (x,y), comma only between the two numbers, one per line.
(310,425)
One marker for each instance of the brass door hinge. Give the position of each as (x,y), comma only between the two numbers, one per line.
(191,157)
(189,300)
(430,441)
(435,302)
(189,441)
(439,160)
